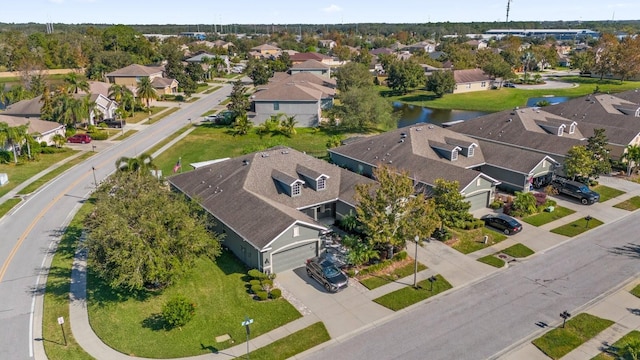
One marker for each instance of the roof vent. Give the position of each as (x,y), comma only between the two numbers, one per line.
(368,149)
(419,129)
(401,140)
(403,135)
(508,120)
(388,154)
(202,182)
(245,162)
(209,186)
(430,126)
(285,152)
(264,155)
(517,108)
(390,161)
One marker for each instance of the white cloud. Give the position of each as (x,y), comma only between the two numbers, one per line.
(332,8)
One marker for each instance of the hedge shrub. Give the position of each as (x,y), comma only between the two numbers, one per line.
(99,135)
(256,288)
(178,311)
(262,295)
(276,294)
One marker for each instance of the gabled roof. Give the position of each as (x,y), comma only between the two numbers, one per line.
(201,57)
(161,83)
(301,78)
(310,65)
(512,158)
(304,56)
(293,91)
(242,194)
(36,126)
(380,51)
(265,47)
(470,75)
(29,107)
(135,70)
(411,149)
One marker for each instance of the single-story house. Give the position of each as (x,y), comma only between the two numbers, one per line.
(301,57)
(201,59)
(41,130)
(272,206)
(303,95)
(265,51)
(427,153)
(468,80)
(131,75)
(426,46)
(311,66)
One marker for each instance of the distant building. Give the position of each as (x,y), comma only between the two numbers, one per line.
(559,34)
(194,34)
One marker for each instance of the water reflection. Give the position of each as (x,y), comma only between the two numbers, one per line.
(531,102)
(413,114)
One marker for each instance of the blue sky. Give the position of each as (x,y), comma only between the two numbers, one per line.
(309,12)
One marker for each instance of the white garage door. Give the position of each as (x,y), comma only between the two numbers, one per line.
(478,201)
(294,257)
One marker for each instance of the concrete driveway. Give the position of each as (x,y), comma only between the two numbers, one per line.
(342,312)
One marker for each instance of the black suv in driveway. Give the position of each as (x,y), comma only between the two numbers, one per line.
(576,189)
(327,273)
(113,123)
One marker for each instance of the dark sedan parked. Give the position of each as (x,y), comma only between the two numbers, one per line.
(327,273)
(502,222)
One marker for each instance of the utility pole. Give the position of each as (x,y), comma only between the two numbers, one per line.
(508,6)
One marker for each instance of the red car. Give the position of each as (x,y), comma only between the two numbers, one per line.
(79,139)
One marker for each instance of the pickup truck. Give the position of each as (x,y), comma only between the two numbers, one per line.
(113,123)
(577,190)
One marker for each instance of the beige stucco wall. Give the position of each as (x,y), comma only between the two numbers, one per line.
(469,87)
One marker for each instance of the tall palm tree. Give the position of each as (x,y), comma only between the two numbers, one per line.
(146,92)
(242,125)
(74,84)
(632,155)
(59,140)
(140,164)
(63,109)
(288,125)
(13,137)
(116,92)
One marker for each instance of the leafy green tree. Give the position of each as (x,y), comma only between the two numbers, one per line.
(195,72)
(142,236)
(178,311)
(360,252)
(363,57)
(242,125)
(352,75)
(632,157)
(142,164)
(524,204)
(597,146)
(145,92)
(59,140)
(450,205)
(259,72)
(391,212)
(405,75)
(579,162)
(75,84)
(583,61)
(441,82)
(630,350)
(364,108)
(288,125)
(605,55)
(46,111)
(238,100)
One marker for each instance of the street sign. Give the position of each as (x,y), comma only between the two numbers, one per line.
(247,322)
(60,320)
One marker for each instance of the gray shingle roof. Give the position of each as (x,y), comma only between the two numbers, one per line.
(310,65)
(242,193)
(508,157)
(289,92)
(35,125)
(135,70)
(470,75)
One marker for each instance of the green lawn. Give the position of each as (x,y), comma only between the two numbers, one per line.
(636,291)
(56,296)
(606,192)
(127,134)
(6,206)
(577,227)
(542,218)
(209,91)
(293,344)
(469,241)
(159,117)
(492,260)
(27,169)
(630,204)
(633,336)
(409,295)
(386,277)
(505,98)
(208,142)
(132,325)
(518,251)
(52,174)
(560,341)
(143,115)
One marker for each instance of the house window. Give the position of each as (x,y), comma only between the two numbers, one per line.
(321,183)
(483,84)
(468,85)
(478,182)
(276,106)
(470,151)
(454,155)
(572,128)
(296,231)
(560,130)
(295,189)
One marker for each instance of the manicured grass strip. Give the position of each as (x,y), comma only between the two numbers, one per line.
(52,174)
(472,240)
(547,217)
(130,323)
(225,101)
(409,295)
(293,344)
(492,260)
(560,341)
(27,169)
(630,204)
(209,91)
(518,251)
(577,227)
(127,134)
(606,192)
(168,139)
(143,115)
(155,119)
(632,337)
(6,206)
(636,291)
(56,296)
(375,281)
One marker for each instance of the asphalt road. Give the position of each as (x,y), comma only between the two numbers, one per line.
(485,319)
(31,232)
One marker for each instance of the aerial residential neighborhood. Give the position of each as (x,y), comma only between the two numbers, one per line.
(386,184)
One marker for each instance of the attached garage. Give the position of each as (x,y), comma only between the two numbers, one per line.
(478,201)
(293,257)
